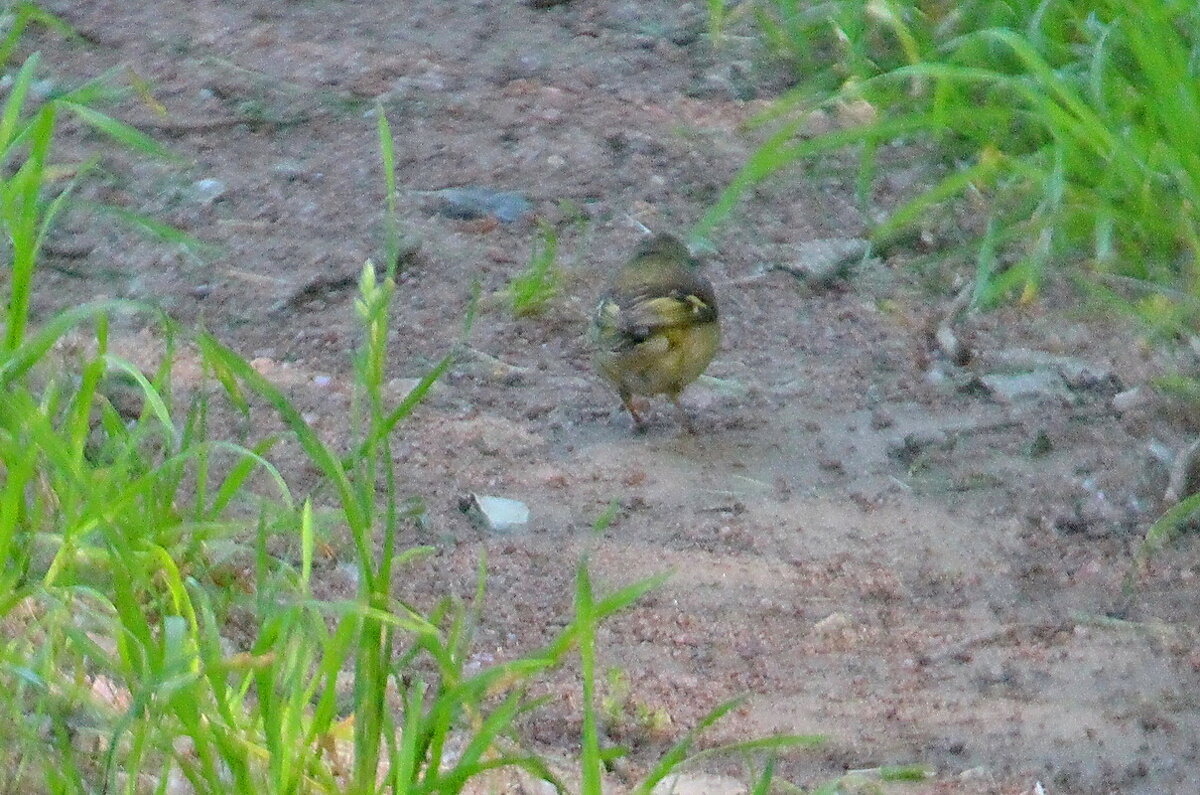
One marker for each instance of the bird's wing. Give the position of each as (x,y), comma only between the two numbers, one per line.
(646,314)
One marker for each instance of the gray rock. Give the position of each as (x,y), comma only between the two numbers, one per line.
(826,261)
(1037,385)
(698,784)
(479,202)
(1185,474)
(294,171)
(1078,374)
(1131,399)
(43,89)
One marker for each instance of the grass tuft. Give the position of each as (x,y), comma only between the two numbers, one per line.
(532,289)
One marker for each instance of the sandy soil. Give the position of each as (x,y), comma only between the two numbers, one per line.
(871,543)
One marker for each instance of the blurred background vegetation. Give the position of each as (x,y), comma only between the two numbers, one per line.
(1072,128)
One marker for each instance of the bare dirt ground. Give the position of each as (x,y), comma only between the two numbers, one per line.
(954,599)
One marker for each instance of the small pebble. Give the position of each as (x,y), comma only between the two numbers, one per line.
(499,514)
(207,191)
(1130,399)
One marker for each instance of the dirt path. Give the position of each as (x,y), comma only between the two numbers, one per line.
(945,599)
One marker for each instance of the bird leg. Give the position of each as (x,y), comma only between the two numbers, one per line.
(684,418)
(638,423)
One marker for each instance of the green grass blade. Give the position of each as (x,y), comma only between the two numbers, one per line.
(120,132)
(678,752)
(1166,526)
(15,103)
(317,452)
(591,764)
(153,228)
(235,480)
(762,785)
(391,221)
(23,220)
(403,409)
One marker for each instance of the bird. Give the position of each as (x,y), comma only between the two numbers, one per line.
(656,327)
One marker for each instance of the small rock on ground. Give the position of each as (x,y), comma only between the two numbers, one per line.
(823,262)
(1037,385)
(698,784)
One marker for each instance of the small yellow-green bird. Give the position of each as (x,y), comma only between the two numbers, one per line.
(656,329)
